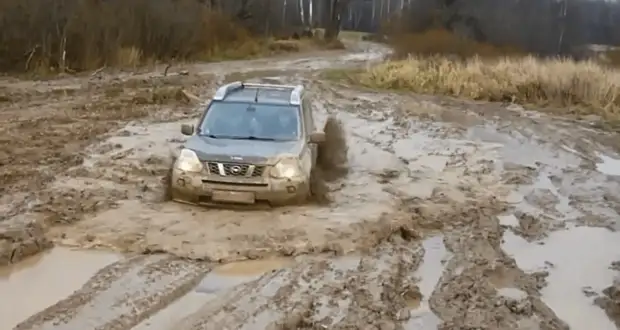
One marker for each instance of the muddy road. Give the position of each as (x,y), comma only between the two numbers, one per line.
(453,215)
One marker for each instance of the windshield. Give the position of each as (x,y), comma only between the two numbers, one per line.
(240,120)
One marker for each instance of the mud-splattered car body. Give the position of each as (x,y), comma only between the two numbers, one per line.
(248,168)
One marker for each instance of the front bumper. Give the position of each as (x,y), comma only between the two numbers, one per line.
(202,188)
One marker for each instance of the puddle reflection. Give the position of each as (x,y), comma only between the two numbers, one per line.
(42,280)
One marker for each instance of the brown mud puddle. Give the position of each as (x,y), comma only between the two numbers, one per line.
(577,261)
(216,283)
(42,280)
(252,267)
(428,275)
(235,273)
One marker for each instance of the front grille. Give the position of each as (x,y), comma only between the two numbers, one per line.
(235,169)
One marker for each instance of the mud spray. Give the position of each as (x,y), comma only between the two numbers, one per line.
(332,162)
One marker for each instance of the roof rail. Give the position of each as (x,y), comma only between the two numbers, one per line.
(296,95)
(272,86)
(222,92)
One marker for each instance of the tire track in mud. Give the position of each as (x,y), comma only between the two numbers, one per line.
(409,181)
(121,295)
(483,288)
(412,213)
(342,293)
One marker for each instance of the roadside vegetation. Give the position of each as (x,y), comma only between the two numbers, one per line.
(46,36)
(438,62)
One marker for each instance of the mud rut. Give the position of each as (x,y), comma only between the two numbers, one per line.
(421,233)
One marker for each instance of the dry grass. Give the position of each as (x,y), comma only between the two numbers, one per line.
(437,62)
(561,84)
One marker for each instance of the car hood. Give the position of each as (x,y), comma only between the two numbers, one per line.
(242,151)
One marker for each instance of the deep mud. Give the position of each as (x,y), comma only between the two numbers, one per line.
(447,215)
(610,301)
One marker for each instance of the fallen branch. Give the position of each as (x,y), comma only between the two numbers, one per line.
(190,96)
(30,56)
(167,68)
(98,71)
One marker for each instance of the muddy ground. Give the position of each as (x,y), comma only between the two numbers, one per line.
(453,215)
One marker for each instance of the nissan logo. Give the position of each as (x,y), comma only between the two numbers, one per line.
(235,169)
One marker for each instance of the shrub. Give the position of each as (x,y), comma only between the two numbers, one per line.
(438,62)
(87,34)
(563,84)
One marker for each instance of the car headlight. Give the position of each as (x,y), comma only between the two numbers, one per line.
(286,168)
(188,161)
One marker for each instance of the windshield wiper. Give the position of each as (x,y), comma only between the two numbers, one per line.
(251,137)
(233,137)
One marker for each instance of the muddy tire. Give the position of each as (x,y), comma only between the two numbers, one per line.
(319,191)
(167,180)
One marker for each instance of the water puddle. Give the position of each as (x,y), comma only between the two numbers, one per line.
(509,220)
(562,202)
(609,166)
(216,282)
(252,267)
(42,280)
(429,272)
(235,273)
(513,198)
(575,258)
(368,56)
(137,143)
(519,148)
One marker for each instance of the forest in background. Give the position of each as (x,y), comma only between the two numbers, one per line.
(86,34)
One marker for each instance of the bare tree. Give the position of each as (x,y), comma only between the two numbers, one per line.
(562,23)
(336,9)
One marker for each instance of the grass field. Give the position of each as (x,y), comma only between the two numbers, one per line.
(439,63)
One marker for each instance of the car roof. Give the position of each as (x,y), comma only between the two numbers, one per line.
(260,95)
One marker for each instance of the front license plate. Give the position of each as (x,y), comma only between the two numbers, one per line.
(240,197)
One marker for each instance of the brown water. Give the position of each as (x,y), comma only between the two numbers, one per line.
(235,273)
(216,282)
(252,267)
(38,282)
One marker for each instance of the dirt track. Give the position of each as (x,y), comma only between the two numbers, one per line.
(454,215)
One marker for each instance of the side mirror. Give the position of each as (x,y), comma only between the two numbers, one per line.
(317,137)
(187,129)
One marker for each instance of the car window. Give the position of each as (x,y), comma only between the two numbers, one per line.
(241,120)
